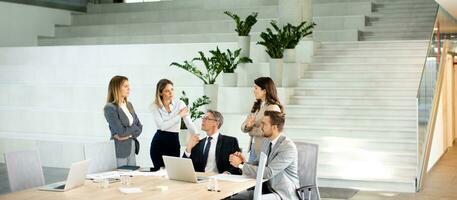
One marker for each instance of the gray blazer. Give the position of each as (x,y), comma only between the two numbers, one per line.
(119,125)
(281,168)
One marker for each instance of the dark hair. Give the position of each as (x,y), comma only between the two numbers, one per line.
(159,88)
(218,117)
(271,94)
(276,118)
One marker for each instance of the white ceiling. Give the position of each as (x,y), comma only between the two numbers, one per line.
(450,6)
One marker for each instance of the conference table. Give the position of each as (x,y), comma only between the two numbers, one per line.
(150,186)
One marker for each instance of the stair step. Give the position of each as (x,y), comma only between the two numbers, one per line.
(374,44)
(380,52)
(348,145)
(358,130)
(303,134)
(362,74)
(158,28)
(372,170)
(340,9)
(147,39)
(358,92)
(402,10)
(416,59)
(389,67)
(345,83)
(346,121)
(381,111)
(396,36)
(362,101)
(175,5)
(167,16)
(396,184)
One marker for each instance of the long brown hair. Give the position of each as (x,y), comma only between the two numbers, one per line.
(114,87)
(271,94)
(159,88)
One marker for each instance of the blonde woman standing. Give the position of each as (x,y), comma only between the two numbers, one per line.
(123,122)
(266,97)
(167,113)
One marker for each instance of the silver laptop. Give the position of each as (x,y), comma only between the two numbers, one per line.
(181,169)
(76,177)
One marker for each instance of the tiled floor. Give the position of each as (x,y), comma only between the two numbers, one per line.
(440,183)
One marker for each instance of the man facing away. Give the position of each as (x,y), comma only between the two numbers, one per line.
(281,166)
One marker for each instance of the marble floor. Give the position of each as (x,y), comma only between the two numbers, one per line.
(439,184)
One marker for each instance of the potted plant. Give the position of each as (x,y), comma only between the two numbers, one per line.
(293,35)
(213,69)
(274,46)
(195,113)
(229,61)
(243,28)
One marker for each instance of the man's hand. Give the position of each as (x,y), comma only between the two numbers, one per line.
(236,159)
(193,140)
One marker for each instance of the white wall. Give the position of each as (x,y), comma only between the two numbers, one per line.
(20,24)
(438,147)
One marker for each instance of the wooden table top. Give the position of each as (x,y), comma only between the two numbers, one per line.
(176,190)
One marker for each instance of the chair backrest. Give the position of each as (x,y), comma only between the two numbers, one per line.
(24,170)
(102,156)
(307,165)
(259,178)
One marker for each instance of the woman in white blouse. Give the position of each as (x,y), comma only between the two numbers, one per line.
(266,98)
(167,114)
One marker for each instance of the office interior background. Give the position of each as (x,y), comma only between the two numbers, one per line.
(374,85)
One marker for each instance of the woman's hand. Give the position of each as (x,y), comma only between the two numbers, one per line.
(184,112)
(250,121)
(117,137)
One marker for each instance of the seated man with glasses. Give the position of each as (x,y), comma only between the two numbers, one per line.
(211,154)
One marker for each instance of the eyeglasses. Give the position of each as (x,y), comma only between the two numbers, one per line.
(207,118)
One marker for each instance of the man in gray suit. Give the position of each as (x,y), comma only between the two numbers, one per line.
(281,167)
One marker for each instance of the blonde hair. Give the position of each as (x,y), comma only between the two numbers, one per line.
(159,88)
(114,87)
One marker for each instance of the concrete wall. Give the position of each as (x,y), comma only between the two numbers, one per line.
(22,24)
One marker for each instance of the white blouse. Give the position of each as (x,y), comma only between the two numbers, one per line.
(171,121)
(127,112)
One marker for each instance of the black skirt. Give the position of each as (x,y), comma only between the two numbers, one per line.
(164,143)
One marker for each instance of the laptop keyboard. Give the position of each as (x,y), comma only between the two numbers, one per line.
(60,187)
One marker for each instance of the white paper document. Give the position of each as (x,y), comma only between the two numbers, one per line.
(232,178)
(130,190)
(103,175)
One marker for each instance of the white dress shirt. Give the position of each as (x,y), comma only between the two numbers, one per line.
(127,112)
(171,121)
(274,141)
(211,165)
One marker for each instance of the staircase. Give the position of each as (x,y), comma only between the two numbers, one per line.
(177,21)
(357,98)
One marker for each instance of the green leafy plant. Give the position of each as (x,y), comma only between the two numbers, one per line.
(194,111)
(229,60)
(213,69)
(243,27)
(293,34)
(273,42)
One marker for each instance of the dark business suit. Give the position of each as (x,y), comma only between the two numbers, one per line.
(119,125)
(226,145)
